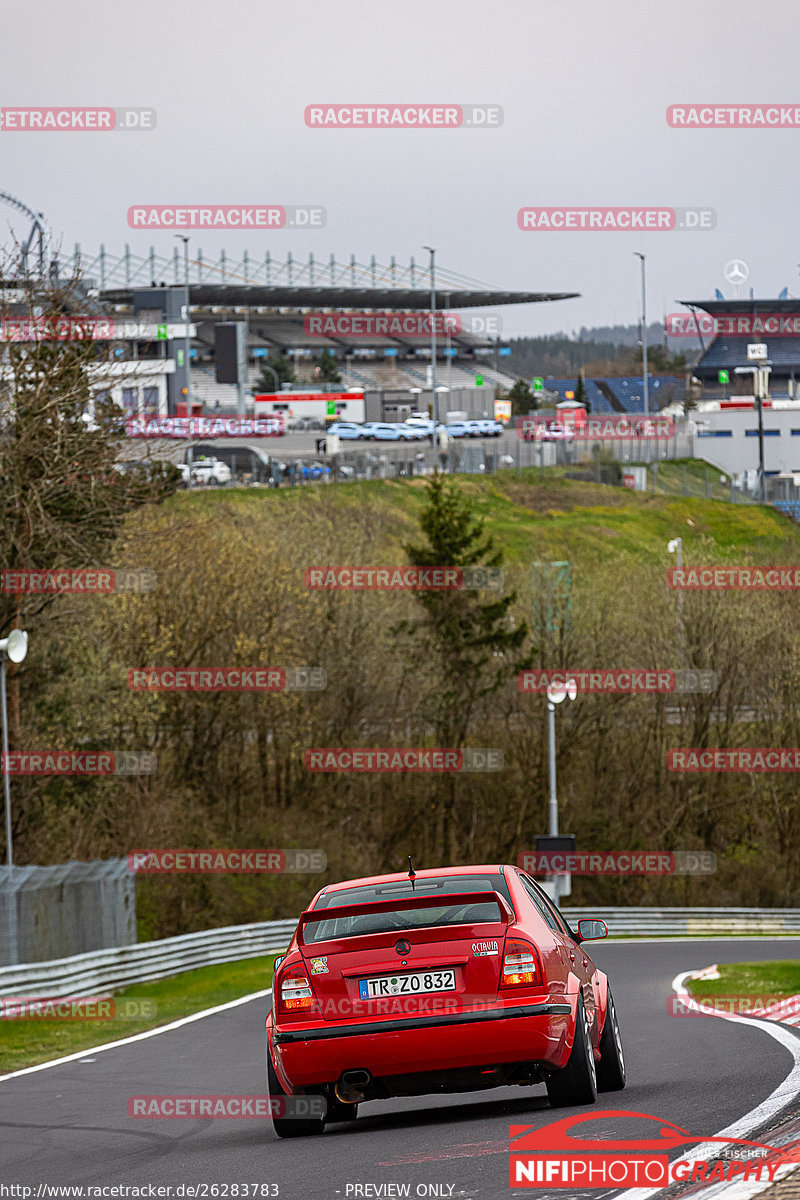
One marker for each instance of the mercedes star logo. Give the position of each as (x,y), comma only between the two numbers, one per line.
(736,271)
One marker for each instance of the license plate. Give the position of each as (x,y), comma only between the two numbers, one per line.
(407,985)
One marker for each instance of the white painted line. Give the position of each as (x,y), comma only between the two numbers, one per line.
(783,1095)
(137,1037)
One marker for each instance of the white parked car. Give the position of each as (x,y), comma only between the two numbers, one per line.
(484,427)
(208,471)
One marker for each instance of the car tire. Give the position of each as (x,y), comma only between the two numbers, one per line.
(289,1127)
(576,1083)
(611,1074)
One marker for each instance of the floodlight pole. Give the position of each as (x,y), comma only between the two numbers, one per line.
(645,394)
(186,348)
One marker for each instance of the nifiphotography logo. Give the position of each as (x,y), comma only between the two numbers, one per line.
(551,1157)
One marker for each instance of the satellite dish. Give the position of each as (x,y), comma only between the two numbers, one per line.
(15,646)
(572,689)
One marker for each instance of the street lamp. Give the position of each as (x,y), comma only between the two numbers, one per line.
(14,648)
(184,237)
(676,547)
(556,693)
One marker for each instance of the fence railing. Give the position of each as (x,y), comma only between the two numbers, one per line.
(105,971)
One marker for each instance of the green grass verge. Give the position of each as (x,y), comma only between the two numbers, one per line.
(543,515)
(773,979)
(24,1043)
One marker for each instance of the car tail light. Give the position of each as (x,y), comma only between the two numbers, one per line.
(295,991)
(521,965)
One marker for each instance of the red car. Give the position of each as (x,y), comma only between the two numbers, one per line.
(444,980)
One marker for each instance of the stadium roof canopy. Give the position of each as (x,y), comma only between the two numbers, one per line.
(257,295)
(728,307)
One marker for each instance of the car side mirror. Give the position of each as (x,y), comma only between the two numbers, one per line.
(278,961)
(591,929)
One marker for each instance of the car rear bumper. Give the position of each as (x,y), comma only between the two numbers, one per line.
(536,1032)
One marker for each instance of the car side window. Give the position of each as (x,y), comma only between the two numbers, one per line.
(557,916)
(538,899)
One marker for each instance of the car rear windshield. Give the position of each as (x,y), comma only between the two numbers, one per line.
(399,919)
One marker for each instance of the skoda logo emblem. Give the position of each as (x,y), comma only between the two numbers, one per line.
(402,947)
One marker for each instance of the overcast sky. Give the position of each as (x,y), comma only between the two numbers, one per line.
(584,86)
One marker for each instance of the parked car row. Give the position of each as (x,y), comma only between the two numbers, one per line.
(415,429)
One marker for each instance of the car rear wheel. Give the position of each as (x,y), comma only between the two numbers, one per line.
(288,1126)
(611,1068)
(576,1083)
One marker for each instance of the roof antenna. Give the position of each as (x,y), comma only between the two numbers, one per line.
(412,874)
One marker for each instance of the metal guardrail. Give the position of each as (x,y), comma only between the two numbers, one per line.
(690,922)
(103,971)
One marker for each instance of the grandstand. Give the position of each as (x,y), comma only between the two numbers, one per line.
(622,394)
(727,351)
(272,298)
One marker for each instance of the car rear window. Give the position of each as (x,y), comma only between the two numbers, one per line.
(400,919)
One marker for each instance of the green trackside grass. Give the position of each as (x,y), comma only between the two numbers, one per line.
(772,979)
(24,1043)
(544,515)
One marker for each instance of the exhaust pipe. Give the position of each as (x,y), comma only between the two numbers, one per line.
(352,1086)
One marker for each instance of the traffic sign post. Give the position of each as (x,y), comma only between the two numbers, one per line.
(557,844)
